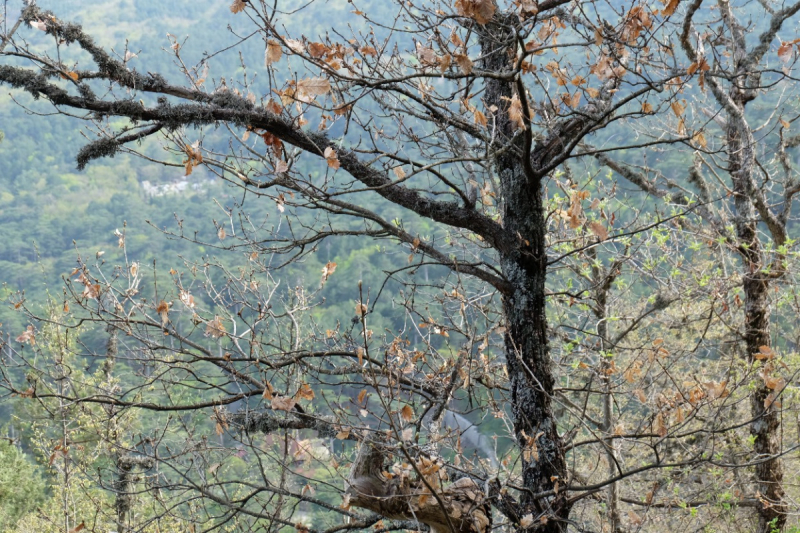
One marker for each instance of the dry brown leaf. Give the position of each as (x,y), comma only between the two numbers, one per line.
(444,63)
(282,403)
(515,112)
(426,56)
(785,52)
(699,139)
(317,50)
(659,425)
(238,6)
(327,270)
(268,390)
(314,86)
(670,8)
(479,118)
(345,502)
(295,45)
(215,328)
(27,336)
(481,11)
(464,63)
(305,393)
(407,413)
(598,229)
(331,157)
(273,52)
(163,310)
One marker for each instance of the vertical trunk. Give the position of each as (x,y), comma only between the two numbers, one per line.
(766,424)
(526,347)
(603,280)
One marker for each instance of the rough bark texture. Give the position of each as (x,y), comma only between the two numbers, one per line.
(525,267)
(756,283)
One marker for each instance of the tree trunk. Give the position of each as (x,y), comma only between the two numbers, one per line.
(756,282)
(525,268)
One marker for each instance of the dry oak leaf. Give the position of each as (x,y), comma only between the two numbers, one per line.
(515,112)
(481,11)
(317,50)
(407,413)
(314,87)
(282,403)
(327,270)
(273,52)
(305,393)
(331,157)
(464,63)
(670,8)
(598,229)
(163,310)
(27,336)
(238,6)
(215,328)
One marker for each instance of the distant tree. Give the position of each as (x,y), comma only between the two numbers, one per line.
(21,485)
(486,140)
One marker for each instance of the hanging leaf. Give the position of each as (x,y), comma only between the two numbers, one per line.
(598,229)
(163,310)
(699,139)
(331,157)
(273,52)
(515,112)
(464,63)
(305,393)
(215,328)
(238,6)
(670,8)
(27,336)
(407,413)
(327,270)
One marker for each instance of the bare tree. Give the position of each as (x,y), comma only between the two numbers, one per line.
(486,129)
